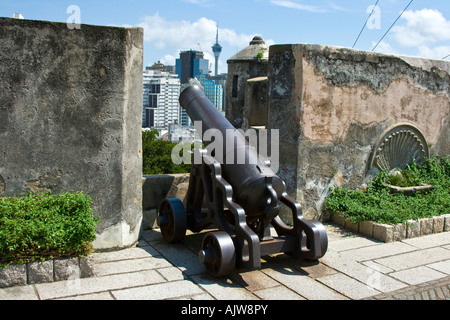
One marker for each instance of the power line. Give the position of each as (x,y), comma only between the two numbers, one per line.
(364,26)
(446,57)
(401,14)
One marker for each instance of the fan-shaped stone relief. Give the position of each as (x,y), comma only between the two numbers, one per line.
(399,146)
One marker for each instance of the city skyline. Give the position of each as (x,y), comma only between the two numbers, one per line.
(178,25)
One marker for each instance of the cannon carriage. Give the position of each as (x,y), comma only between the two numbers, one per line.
(242,200)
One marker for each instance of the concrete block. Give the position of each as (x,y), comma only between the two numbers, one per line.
(447,222)
(426,226)
(383,232)
(65,269)
(400,231)
(40,272)
(438,224)
(14,275)
(412,229)
(351,226)
(366,228)
(338,218)
(87,266)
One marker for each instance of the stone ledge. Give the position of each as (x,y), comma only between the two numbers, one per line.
(47,271)
(391,233)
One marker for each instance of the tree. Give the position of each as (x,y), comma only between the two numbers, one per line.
(156,154)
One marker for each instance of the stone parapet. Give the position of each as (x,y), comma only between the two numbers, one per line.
(70,118)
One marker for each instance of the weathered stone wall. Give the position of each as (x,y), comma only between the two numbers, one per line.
(70,118)
(156,188)
(332,104)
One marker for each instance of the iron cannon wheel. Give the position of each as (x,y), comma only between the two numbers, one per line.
(218,254)
(172,220)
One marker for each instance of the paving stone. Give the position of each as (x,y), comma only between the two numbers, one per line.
(430,241)
(442,266)
(352,243)
(348,286)
(123,266)
(130,253)
(169,290)
(13,275)
(364,274)
(414,259)
(378,251)
(377,267)
(97,284)
(18,293)
(181,257)
(301,284)
(101,296)
(278,293)
(223,289)
(417,275)
(171,273)
(254,280)
(40,272)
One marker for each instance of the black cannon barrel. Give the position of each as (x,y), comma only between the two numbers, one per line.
(256,188)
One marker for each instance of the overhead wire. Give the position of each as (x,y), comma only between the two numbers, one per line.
(365,23)
(401,14)
(445,57)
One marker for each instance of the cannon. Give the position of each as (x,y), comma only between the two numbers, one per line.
(241,201)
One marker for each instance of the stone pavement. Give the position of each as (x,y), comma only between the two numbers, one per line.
(354,268)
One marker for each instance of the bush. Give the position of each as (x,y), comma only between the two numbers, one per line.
(380,205)
(45,227)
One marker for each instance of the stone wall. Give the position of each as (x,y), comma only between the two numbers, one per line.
(332,104)
(156,188)
(70,118)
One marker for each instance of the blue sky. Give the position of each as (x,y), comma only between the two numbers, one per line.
(174,25)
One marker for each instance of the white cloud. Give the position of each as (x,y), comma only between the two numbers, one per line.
(422,26)
(185,35)
(296,5)
(434,53)
(384,47)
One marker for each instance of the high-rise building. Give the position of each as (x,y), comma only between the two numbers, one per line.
(161,93)
(213,91)
(217,50)
(191,64)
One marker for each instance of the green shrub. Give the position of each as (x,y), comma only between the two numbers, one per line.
(45,227)
(156,155)
(380,205)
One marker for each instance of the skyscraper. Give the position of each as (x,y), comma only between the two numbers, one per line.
(217,49)
(191,64)
(161,107)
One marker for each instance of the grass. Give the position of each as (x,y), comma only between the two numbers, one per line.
(45,227)
(378,204)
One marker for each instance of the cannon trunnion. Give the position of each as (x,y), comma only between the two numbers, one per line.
(241,200)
